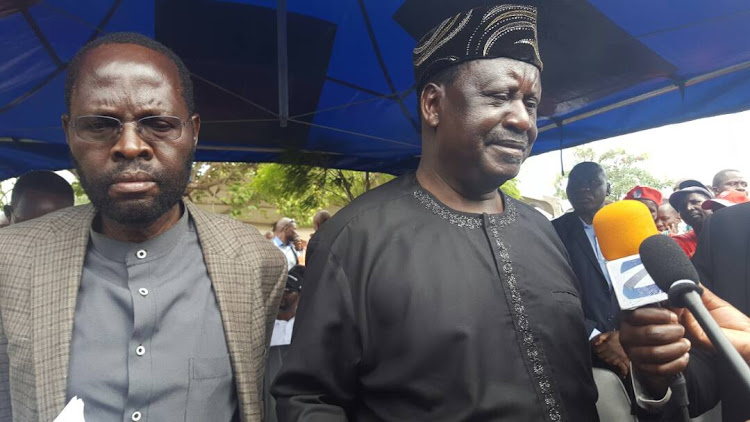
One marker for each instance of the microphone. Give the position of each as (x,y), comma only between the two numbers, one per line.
(620,229)
(674,274)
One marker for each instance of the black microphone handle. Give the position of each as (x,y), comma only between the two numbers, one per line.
(717,337)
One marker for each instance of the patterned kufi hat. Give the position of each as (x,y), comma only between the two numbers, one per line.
(488,32)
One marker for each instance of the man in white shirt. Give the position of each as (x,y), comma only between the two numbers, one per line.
(282,330)
(281,337)
(285,234)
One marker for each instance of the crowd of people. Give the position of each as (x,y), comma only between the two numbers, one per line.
(682,217)
(434,297)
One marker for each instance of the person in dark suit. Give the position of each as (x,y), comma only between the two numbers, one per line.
(587,189)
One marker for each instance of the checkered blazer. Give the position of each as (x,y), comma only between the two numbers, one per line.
(40,272)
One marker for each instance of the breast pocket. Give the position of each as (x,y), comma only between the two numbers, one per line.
(211,390)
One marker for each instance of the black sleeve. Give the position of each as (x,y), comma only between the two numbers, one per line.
(702,380)
(702,259)
(318,381)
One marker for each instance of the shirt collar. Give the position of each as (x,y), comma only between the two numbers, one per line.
(586,226)
(278,242)
(125,252)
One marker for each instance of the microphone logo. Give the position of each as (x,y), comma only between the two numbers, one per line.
(636,273)
(632,284)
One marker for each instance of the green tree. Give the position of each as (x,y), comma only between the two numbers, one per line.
(298,191)
(623,170)
(224,183)
(511,189)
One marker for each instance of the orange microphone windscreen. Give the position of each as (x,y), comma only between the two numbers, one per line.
(620,228)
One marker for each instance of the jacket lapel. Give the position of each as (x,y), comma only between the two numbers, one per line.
(56,276)
(238,301)
(583,242)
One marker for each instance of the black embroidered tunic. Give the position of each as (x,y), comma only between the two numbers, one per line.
(411,311)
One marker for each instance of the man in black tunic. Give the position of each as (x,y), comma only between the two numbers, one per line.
(436,297)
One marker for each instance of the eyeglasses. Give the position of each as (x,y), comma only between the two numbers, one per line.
(103,129)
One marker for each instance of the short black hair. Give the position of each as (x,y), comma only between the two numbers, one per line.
(41,181)
(129,38)
(588,166)
(445,77)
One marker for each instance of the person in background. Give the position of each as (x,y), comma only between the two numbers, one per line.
(725,199)
(282,331)
(688,202)
(38,193)
(649,196)
(285,237)
(668,220)
(281,337)
(729,179)
(320,217)
(587,189)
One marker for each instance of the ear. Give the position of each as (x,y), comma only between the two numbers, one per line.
(430,102)
(65,123)
(7,210)
(195,120)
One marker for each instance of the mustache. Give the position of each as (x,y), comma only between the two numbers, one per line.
(127,171)
(512,140)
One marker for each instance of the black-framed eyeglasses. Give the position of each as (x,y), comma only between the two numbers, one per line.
(103,129)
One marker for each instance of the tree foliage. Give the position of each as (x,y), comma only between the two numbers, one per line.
(299,191)
(624,171)
(294,190)
(511,189)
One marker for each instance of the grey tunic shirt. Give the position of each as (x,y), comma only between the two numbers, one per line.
(148,342)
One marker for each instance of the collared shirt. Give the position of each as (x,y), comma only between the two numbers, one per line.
(292,258)
(589,230)
(591,235)
(282,332)
(148,342)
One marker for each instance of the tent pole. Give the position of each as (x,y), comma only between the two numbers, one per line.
(283,62)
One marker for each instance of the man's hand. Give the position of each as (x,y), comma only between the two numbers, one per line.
(607,347)
(734,324)
(654,341)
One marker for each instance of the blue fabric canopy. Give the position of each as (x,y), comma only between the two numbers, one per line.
(343,94)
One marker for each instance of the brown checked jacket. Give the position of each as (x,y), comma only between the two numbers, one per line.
(41,262)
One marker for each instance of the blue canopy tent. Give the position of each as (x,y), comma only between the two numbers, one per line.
(330,82)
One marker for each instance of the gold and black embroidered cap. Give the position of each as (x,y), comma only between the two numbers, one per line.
(488,32)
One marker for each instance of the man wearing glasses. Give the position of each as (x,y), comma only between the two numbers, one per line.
(140,304)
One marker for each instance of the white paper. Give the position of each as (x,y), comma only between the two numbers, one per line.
(633,286)
(73,412)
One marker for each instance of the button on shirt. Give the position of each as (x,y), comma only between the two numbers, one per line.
(148,342)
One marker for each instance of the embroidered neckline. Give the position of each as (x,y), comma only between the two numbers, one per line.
(463,220)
